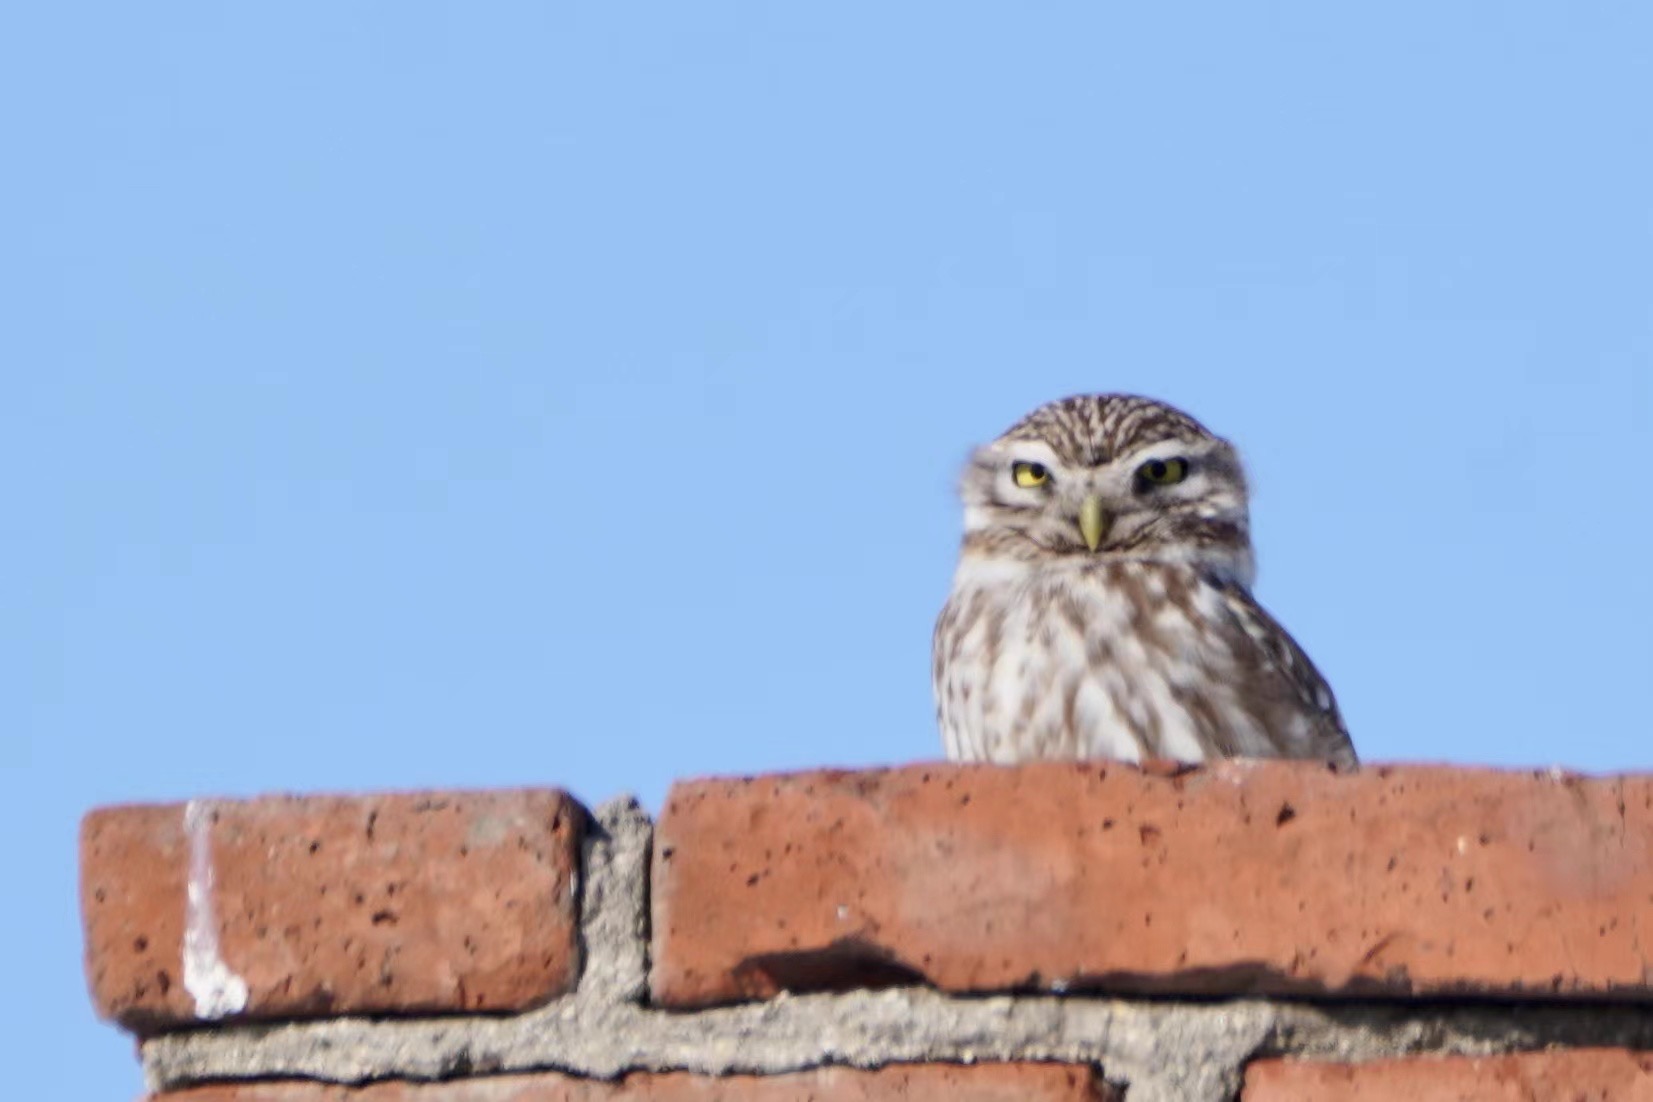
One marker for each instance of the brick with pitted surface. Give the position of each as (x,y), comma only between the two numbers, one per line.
(1576,1075)
(1238,877)
(293,907)
(980,1083)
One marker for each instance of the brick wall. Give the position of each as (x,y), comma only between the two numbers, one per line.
(1089,931)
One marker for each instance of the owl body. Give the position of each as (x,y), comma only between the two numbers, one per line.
(1102,606)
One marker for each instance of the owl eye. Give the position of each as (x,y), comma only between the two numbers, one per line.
(1029,475)
(1162,472)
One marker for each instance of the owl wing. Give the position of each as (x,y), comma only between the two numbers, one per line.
(1278,653)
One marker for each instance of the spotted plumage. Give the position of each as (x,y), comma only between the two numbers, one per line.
(1102,603)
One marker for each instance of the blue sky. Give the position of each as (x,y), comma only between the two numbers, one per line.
(412,396)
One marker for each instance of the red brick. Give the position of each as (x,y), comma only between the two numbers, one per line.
(445,901)
(1577,1075)
(1240,877)
(978,1083)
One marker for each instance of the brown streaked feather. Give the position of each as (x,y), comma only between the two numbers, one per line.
(1285,661)
(1088,429)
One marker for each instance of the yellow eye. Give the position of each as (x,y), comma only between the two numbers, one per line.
(1162,472)
(1029,475)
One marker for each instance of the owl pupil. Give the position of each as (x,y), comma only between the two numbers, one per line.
(1156,469)
(1037,470)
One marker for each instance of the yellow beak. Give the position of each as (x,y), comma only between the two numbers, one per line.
(1092,523)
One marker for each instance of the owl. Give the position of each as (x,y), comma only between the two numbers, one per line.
(1102,603)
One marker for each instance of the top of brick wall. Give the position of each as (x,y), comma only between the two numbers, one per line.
(1237,878)
(1240,877)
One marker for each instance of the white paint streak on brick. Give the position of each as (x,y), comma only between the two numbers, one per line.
(217,990)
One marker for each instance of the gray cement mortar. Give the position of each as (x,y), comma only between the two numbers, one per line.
(1160,1050)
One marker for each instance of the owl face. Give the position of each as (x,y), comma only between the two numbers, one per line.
(1110,476)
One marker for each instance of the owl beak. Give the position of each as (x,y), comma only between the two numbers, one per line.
(1092,521)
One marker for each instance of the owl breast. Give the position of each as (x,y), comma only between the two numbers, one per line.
(1124,660)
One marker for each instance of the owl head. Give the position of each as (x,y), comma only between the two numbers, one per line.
(1109,476)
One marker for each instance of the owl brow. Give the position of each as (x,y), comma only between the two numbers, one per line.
(1026,449)
(1195,451)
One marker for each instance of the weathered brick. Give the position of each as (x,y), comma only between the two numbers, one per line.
(308,906)
(1239,877)
(979,1083)
(1576,1075)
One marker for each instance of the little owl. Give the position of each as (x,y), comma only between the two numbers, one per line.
(1102,605)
